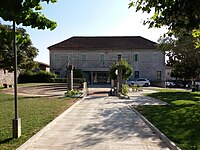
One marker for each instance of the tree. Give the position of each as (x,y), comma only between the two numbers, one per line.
(127,70)
(27,12)
(183,56)
(77,73)
(176,14)
(25,50)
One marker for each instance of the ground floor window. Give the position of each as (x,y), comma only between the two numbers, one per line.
(136,74)
(100,77)
(158,75)
(57,73)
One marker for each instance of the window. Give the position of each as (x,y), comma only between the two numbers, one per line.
(70,57)
(57,59)
(136,74)
(155,56)
(83,57)
(102,58)
(57,73)
(158,75)
(141,80)
(136,57)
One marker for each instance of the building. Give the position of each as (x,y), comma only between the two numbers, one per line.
(42,66)
(95,55)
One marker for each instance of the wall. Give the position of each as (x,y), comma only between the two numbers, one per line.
(6,77)
(150,61)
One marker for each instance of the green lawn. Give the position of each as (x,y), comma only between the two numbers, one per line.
(179,121)
(34,112)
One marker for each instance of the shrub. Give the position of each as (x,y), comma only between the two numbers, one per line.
(77,73)
(44,77)
(79,80)
(33,77)
(140,87)
(73,93)
(125,89)
(134,88)
(64,80)
(59,80)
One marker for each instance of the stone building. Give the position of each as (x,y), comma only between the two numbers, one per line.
(95,55)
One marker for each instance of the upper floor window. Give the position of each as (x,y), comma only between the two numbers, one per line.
(136,57)
(70,57)
(83,57)
(57,58)
(102,58)
(155,56)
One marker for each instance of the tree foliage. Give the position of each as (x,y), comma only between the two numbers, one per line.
(127,70)
(183,55)
(77,73)
(178,15)
(27,12)
(26,52)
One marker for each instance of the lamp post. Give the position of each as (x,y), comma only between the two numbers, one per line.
(119,76)
(70,77)
(16,121)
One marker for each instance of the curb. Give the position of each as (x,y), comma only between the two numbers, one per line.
(47,127)
(170,144)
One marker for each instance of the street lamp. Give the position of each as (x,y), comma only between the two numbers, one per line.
(16,121)
(119,76)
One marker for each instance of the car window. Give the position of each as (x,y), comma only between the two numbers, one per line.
(141,80)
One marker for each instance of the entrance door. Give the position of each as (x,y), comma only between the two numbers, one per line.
(101,77)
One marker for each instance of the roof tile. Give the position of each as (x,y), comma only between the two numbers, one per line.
(105,43)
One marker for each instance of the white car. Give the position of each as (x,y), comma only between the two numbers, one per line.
(139,81)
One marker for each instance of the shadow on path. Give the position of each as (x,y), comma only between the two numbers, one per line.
(118,125)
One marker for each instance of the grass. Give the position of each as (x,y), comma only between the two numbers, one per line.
(179,121)
(35,113)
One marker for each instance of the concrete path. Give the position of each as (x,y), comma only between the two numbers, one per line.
(98,123)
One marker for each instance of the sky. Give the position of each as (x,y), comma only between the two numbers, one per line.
(90,18)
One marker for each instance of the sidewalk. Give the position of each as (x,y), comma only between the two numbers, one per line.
(101,123)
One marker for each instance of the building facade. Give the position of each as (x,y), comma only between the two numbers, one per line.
(95,55)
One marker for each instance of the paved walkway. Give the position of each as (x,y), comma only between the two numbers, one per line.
(98,123)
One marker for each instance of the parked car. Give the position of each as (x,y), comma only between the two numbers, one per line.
(170,84)
(139,81)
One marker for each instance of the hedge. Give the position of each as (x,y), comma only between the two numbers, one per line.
(36,77)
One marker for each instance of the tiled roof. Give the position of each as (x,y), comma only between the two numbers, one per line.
(104,43)
(41,63)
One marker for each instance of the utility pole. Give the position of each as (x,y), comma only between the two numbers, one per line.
(16,121)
